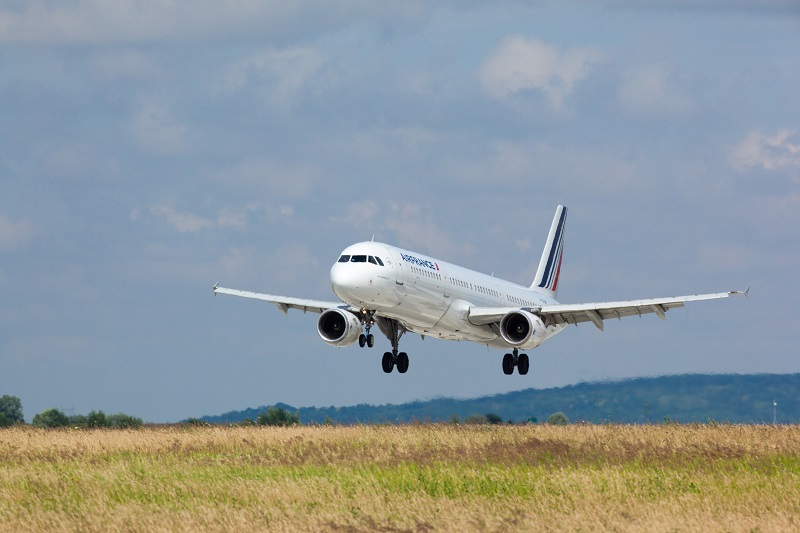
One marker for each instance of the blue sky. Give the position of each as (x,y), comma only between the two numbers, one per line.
(149,149)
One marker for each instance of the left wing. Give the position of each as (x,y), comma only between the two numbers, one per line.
(284,303)
(595,312)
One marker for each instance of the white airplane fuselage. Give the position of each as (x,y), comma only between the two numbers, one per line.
(427,296)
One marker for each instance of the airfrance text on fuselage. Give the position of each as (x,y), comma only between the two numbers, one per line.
(420,262)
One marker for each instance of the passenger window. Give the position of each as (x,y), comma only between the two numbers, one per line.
(344,259)
(358,259)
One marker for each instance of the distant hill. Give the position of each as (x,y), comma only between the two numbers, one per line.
(728,398)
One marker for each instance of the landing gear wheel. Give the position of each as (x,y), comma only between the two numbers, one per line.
(402,362)
(366,338)
(388,362)
(523,363)
(393,331)
(508,364)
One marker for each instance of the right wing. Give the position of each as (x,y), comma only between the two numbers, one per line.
(285,303)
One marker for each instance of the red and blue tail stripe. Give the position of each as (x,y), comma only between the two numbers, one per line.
(550,264)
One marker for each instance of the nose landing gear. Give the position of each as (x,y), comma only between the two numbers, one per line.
(366,338)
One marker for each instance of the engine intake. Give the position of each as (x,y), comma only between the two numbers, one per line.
(522,329)
(338,327)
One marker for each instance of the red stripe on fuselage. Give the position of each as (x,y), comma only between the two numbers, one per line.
(558,271)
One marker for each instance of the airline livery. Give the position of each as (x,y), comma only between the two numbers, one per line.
(401,291)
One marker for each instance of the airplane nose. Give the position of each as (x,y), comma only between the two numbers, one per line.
(343,280)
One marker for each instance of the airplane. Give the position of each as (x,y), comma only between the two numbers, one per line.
(403,291)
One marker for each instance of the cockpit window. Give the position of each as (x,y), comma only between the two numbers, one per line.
(361,259)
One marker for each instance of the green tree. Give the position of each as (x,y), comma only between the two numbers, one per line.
(51,418)
(475,419)
(97,419)
(277,417)
(558,419)
(78,421)
(493,418)
(122,421)
(10,411)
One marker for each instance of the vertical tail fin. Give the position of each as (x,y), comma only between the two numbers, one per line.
(550,264)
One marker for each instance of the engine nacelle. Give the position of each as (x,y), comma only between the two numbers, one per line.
(522,329)
(338,327)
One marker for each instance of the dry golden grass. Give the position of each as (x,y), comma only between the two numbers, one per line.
(402,478)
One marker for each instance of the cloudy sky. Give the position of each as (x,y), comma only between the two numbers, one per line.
(150,149)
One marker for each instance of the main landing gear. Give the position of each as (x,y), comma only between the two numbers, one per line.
(393,331)
(519,360)
(390,359)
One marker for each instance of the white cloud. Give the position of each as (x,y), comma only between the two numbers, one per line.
(280,73)
(521,164)
(268,177)
(396,145)
(405,224)
(131,20)
(228,217)
(181,222)
(126,21)
(156,130)
(771,152)
(359,214)
(414,228)
(521,64)
(124,64)
(14,234)
(651,89)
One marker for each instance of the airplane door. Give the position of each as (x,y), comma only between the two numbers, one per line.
(399,285)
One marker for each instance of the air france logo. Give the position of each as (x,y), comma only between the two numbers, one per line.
(421,262)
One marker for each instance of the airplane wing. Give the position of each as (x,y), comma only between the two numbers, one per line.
(596,312)
(285,303)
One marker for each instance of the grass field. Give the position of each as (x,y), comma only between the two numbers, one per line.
(402,478)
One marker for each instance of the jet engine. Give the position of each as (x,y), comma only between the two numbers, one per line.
(338,327)
(522,329)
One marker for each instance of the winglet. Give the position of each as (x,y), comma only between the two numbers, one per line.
(215,288)
(747,292)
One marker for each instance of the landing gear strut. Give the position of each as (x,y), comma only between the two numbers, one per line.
(390,359)
(518,360)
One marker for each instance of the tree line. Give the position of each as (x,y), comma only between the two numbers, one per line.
(727,398)
(11,414)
